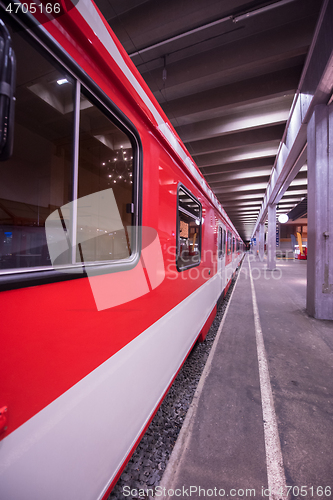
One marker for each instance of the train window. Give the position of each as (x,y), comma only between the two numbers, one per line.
(70,182)
(188,230)
(221,242)
(233,244)
(105,163)
(36,180)
(229,243)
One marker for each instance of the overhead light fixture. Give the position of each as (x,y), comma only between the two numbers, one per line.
(283,218)
(252,13)
(62,81)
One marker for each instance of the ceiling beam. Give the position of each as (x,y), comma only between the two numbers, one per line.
(270,112)
(233,141)
(237,166)
(282,47)
(250,173)
(203,105)
(255,151)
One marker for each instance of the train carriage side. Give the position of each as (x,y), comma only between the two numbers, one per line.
(110,263)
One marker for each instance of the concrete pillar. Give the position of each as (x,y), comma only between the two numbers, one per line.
(271,238)
(320,213)
(261,242)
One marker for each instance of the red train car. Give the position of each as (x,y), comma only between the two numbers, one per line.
(113,253)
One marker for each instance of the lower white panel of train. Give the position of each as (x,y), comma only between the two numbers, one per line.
(70,449)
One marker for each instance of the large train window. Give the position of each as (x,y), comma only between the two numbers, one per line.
(72,180)
(105,163)
(188,230)
(36,180)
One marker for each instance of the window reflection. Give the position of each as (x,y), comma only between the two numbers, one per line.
(40,178)
(36,180)
(189,230)
(105,162)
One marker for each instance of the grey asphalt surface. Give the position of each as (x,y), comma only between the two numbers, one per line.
(221,447)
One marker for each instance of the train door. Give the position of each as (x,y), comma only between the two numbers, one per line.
(221,244)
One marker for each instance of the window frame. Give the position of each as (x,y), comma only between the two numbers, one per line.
(229,242)
(188,192)
(41,41)
(97,267)
(221,241)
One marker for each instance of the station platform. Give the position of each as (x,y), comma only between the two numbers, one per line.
(226,447)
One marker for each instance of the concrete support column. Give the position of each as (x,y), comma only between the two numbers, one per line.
(271,238)
(320,213)
(261,242)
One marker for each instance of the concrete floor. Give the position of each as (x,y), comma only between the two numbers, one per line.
(221,448)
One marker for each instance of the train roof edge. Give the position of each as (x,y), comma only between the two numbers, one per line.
(101,29)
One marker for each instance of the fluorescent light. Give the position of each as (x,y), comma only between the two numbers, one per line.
(62,81)
(283,218)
